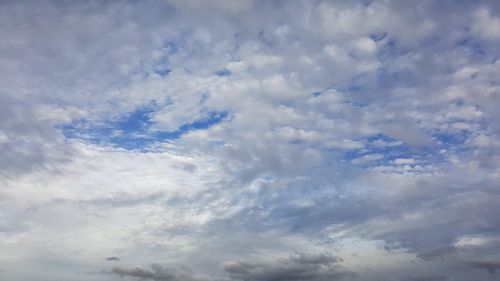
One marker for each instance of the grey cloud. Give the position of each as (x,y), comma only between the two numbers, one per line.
(437,253)
(428,278)
(297,267)
(435,232)
(404,132)
(300,268)
(26,142)
(155,272)
(110,201)
(490,266)
(117,200)
(112,258)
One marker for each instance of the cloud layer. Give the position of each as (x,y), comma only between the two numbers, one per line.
(249,140)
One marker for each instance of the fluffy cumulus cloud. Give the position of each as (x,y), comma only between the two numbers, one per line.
(249,140)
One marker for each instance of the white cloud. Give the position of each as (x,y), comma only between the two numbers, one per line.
(404,161)
(486,24)
(367,158)
(365,45)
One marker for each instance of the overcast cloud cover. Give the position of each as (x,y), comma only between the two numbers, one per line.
(249,140)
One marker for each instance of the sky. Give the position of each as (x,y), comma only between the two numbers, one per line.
(249,140)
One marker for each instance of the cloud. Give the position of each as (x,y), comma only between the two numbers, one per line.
(301,267)
(368,158)
(156,272)
(295,267)
(486,24)
(197,133)
(429,278)
(490,266)
(28,143)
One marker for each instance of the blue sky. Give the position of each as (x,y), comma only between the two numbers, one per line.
(134,130)
(249,140)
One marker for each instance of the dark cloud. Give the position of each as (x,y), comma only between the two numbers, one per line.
(428,278)
(296,267)
(300,267)
(112,258)
(436,253)
(155,272)
(491,266)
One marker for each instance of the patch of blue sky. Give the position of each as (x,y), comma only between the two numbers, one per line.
(138,120)
(297,142)
(453,142)
(162,70)
(133,131)
(162,67)
(378,36)
(212,119)
(265,39)
(452,139)
(390,79)
(171,47)
(348,91)
(389,48)
(334,88)
(223,72)
(476,48)
(392,149)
